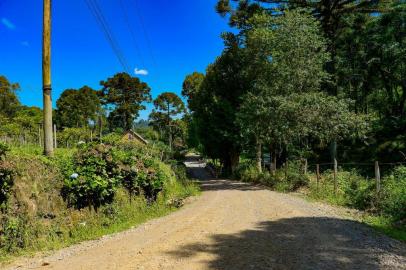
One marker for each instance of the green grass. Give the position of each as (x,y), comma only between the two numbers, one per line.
(385,225)
(381,223)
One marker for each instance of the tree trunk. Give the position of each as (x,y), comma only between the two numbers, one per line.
(333,150)
(272,159)
(230,162)
(259,156)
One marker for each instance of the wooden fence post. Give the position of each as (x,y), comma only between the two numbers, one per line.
(55,142)
(335,177)
(378,178)
(39,136)
(305,166)
(286,169)
(318,176)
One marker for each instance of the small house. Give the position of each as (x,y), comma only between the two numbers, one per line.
(132,136)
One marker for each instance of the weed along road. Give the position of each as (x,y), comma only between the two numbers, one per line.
(236,226)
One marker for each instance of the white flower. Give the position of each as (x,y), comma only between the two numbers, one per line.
(74,176)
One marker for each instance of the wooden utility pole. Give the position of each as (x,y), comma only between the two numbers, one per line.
(46,79)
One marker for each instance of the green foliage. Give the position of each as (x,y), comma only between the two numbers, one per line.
(51,225)
(358,192)
(282,180)
(9,102)
(14,233)
(72,136)
(143,176)
(191,86)
(4,148)
(393,197)
(7,173)
(94,177)
(124,96)
(77,108)
(167,107)
(97,171)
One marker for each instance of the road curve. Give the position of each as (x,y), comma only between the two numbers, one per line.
(236,226)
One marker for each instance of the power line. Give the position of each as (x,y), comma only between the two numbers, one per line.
(102,22)
(127,21)
(144,30)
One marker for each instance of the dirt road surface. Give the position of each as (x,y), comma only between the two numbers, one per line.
(236,226)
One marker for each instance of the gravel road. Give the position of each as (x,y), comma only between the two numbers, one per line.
(236,226)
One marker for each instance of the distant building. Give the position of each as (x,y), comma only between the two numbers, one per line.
(132,136)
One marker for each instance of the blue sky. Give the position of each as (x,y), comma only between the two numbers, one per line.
(182,36)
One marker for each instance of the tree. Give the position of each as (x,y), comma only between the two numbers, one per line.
(191,86)
(9,102)
(216,103)
(386,51)
(331,15)
(77,108)
(124,96)
(167,106)
(288,57)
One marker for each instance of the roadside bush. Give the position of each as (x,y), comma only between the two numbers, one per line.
(359,192)
(393,195)
(282,180)
(14,233)
(7,173)
(6,181)
(3,150)
(93,178)
(143,175)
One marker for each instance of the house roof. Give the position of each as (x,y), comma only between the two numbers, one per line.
(138,136)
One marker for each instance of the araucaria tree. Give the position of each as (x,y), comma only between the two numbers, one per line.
(123,95)
(167,106)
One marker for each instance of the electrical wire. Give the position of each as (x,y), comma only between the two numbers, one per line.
(132,32)
(144,30)
(104,26)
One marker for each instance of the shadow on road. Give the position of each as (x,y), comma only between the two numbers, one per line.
(295,243)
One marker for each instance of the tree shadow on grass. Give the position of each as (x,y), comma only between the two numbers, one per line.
(301,243)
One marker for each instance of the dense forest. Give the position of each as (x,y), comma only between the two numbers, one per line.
(316,80)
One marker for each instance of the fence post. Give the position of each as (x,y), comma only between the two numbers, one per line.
(335,177)
(39,136)
(378,178)
(55,142)
(318,176)
(286,169)
(305,167)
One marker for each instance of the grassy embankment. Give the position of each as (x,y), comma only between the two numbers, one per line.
(36,217)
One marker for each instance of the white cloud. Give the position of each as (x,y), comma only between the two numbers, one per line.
(141,72)
(25,43)
(8,24)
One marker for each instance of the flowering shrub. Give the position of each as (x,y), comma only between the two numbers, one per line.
(98,170)
(93,178)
